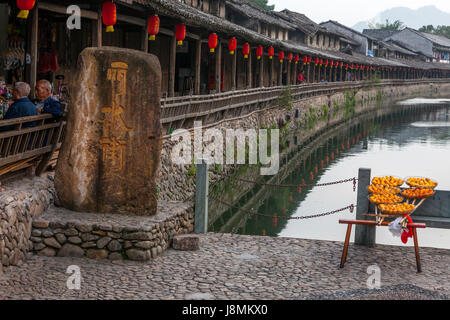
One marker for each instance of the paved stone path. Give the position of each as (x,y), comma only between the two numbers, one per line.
(232,267)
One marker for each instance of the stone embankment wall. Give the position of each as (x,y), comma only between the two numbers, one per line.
(177,182)
(20,203)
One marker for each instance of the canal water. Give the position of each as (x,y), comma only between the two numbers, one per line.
(409,142)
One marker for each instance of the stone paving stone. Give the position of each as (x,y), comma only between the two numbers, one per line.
(239,267)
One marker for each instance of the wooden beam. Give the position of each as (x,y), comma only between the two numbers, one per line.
(34,49)
(172,62)
(63,10)
(198,56)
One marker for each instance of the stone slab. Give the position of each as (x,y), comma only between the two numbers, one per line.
(185,242)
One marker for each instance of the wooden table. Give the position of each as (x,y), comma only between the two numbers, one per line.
(350,223)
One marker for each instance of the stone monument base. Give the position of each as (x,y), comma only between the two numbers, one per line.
(61,232)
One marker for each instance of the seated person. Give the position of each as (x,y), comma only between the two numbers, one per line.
(301,78)
(44,101)
(22,106)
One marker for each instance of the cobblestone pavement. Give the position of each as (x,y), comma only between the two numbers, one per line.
(233,267)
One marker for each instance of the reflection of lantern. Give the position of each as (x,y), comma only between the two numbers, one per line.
(316,170)
(303,182)
(311,176)
(180,33)
(291,198)
(297,58)
(232,45)
(342,64)
(332,155)
(246,50)
(259,52)
(305,60)
(290,57)
(153,27)
(212,42)
(281,56)
(109,15)
(25,7)
(270,52)
(299,189)
(274,222)
(321,164)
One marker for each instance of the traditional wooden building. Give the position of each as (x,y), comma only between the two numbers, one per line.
(253,48)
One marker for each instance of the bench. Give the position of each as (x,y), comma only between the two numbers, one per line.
(23,146)
(350,223)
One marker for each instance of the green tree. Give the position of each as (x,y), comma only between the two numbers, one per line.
(396,25)
(264,4)
(439,30)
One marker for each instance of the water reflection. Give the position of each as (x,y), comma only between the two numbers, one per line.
(406,143)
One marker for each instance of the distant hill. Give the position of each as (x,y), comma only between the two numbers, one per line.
(411,18)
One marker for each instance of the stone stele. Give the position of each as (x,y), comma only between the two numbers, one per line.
(109,159)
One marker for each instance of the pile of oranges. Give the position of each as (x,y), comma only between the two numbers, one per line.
(402,208)
(418,193)
(421,183)
(388,181)
(380,189)
(385,198)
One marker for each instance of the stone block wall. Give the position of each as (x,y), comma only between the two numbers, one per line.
(62,233)
(20,202)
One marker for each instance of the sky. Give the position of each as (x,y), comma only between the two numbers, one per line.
(350,12)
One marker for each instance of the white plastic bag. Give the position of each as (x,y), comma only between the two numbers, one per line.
(395,228)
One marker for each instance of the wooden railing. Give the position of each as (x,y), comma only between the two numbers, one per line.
(29,141)
(181,112)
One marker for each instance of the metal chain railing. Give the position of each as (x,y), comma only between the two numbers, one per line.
(350,207)
(303,185)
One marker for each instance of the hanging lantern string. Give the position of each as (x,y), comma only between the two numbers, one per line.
(351,208)
(291,185)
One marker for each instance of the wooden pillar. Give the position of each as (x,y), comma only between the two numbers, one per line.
(313,78)
(34,48)
(261,72)
(144,44)
(288,75)
(198,56)
(318,73)
(295,73)
(249,70)
(218,69)
(335,74)
(172,64)
(233,70)
(271,73)
(280,74)
(330,75)
(308,73)
(364,235)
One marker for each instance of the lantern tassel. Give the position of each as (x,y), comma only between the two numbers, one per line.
(23,14)
(180,43)
(232,52)
(211,50)
(152,38)
(110,29)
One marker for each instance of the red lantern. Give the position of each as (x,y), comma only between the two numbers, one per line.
(259,52)
(331,64)
(281,56)
(357,67)
(290,57)
(212,42)
(342,64)
(321,61)
(297,58)
(180,33)
(346,66)
(153,27)
(109,15)
(271,52)
(326,63)
(246,50)
(305,60)
(232,45)
(316,62)
(351,67)
(25,7)
(309,59)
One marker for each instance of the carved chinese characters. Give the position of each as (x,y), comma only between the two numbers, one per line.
(109,158)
